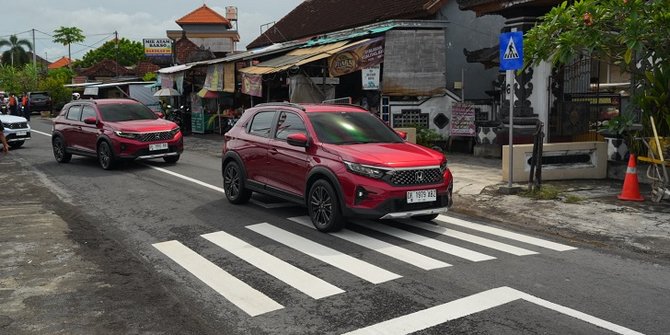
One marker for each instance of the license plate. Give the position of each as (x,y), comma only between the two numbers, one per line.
(421,196)
(158,146)
(21,133)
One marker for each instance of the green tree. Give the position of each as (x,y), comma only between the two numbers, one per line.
(67,36)
(128,53)
(16,54)
(19,80)
(634,34)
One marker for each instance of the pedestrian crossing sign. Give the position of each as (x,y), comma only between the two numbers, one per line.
(511,51)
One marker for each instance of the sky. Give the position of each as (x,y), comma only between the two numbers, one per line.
(132,19)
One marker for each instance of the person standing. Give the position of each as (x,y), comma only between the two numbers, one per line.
(13,104)
(5,146)
(25,106)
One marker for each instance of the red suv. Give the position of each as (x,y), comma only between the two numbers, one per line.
(112,130)
(339,161)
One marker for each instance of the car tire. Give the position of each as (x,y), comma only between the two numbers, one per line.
(106,155)
(59,150)
(425,218)
(16,145)
(324,208)
(171,159)
(234,184)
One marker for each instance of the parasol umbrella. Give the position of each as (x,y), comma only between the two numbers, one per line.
(207,94)
(167,92)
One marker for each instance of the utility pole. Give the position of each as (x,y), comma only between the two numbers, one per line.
(116,47)
(34,51)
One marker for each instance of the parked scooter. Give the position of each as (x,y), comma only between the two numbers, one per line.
(182,117)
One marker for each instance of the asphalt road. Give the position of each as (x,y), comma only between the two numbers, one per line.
(156,248)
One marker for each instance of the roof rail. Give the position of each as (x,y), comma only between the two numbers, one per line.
(344,104)
(286,104)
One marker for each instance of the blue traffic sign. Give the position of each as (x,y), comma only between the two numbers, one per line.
(511,51)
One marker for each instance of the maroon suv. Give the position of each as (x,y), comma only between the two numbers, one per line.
(339,161)
(113,130)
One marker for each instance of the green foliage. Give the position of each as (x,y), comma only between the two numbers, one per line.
(633,34)
(54,84)
(16,55)
(426,136)
(18,80)
(546,192)
(128,53)
(150,76)
(573,199)
(67,36)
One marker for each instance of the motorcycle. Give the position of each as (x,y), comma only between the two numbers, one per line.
(3,109)
(182,117)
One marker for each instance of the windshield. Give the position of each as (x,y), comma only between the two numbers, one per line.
(351,128)
(126,112)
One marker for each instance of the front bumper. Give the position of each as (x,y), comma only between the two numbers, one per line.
(132,149)
(15,135)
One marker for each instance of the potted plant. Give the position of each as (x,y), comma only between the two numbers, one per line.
(619,133)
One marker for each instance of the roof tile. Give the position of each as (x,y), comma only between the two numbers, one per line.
(204,15)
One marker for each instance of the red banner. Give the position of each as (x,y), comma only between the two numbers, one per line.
(252,84)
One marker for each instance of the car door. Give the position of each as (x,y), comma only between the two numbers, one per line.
(69,127)
(88,133)
(287,164)
(254,147)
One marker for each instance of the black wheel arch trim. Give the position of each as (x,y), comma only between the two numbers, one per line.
(332,178)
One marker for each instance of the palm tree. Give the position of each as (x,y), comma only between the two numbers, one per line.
(16,53)
(67,36)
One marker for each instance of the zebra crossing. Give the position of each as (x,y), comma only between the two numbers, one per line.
(254,302)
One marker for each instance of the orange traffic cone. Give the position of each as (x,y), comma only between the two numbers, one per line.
(631,187)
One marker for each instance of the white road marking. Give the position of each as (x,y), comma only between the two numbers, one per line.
(289,274)
(399,253)
(273,205)
(506,234)
(236,291)
(195,181)
(472,238)
(39,132)
(474,304)
(451,249)
(325,254)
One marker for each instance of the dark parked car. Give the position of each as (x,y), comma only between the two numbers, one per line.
(339,161)
(39,101)
(113,130)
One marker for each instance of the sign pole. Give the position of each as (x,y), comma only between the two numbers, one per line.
(510,156)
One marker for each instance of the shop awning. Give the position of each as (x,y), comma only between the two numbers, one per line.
(298,57)
(175,69)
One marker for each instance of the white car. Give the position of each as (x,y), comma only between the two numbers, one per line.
(17,130)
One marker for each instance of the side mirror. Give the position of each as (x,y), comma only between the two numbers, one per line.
(298,140)
(403,134)
(91,120)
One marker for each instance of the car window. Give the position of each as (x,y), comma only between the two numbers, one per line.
(74,113)
(125,112)
(351,128)
(288,124)
(261,124)
(88,111)
(38,96)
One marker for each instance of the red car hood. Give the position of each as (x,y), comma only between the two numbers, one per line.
(143,126)
(387,154)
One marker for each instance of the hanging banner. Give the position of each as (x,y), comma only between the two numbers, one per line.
(357,57)
(252,84)
(167,80)
(214,79)
(462,120)
(229,77)
(370,77)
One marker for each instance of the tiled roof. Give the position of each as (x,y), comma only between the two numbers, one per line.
(105,68)
(204,15)
(314,17)
(61,62)
(508,8)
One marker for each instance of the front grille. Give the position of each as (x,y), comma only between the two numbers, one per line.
(17,125)
(415,177)
(151,137)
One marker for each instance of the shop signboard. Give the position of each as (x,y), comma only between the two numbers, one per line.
(197,115)
(462,120)
(157,47)
(357,57)
(252,84)
(370,77)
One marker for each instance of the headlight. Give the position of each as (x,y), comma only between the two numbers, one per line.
(174,132)
(443,166)
(365,170)
(126,135)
